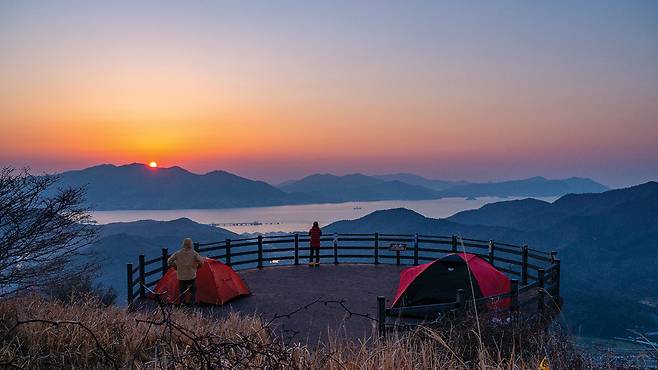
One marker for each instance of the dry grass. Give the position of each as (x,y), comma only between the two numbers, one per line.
(88,335)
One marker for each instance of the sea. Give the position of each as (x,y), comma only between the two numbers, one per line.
(297,217)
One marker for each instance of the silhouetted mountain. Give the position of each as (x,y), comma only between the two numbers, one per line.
(532,187)
(405,221)
(607,244)
(137,186)
(412,179)
(123,242)
(331,188)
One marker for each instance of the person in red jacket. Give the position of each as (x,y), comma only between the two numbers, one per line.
(315,233)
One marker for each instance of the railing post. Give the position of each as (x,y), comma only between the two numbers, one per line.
(515,294)
(460,299)
(376,248)
(296,249)
(196,247)
(129,278)
(416,249)
(260,251)
(492,246)
(142,291)
(524,265)
(335,248)
(552,256)
(381,316)
(228,252)
(165,257)
(454,244)
(540,290)
(556,279)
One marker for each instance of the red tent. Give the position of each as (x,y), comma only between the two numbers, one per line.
(438,281)
(216,283)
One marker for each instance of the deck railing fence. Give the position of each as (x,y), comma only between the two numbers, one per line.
(530,270)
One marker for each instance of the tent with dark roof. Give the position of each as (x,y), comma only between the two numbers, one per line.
(438,281)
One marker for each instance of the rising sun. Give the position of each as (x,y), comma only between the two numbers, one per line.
(153,164)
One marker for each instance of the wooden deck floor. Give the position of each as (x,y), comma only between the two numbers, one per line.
(287,289)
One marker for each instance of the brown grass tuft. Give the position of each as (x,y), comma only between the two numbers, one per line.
(86,334)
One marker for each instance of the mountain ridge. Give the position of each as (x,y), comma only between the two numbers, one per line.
(138,186)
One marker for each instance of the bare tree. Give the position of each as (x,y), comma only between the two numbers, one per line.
(42,230)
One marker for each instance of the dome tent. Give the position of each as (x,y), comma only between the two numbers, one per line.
(216,283)
(438,281)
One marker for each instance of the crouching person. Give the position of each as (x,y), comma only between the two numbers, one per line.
(186,261)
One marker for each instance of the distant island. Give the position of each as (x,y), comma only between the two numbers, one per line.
(138,186)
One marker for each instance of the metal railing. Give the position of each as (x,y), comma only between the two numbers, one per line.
(534,274)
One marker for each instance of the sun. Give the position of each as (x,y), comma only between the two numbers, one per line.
(153,164)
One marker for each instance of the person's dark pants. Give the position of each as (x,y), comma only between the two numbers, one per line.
(316,252)
(187,285)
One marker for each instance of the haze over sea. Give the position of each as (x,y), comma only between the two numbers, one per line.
(298,217)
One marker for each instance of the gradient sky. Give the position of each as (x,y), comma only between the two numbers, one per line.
(275,90)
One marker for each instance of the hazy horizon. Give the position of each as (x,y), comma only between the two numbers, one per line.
(476,91)
(276,183)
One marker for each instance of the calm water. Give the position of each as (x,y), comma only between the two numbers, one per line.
(298,217)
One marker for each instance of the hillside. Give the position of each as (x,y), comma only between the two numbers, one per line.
(331,188)
(531,187)
(405,221)
(136,186)
(607,243)
(412,179)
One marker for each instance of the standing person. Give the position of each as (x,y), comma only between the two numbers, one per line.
(315,233)
(186,261)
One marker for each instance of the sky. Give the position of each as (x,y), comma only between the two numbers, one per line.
(275,90)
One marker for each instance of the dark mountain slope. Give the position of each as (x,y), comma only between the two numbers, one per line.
(355,187)
(137,186)
(405,221)
(412,179)
(532,187)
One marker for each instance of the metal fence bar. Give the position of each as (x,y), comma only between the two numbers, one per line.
(416,243)
(129,279)
(165,258)
(260,251)
(515,294)
(524,265)
(376,246)
(142,277)
(335,248)
(228,252)
(492,247)
(381,315)
(540,290)
(296,249)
